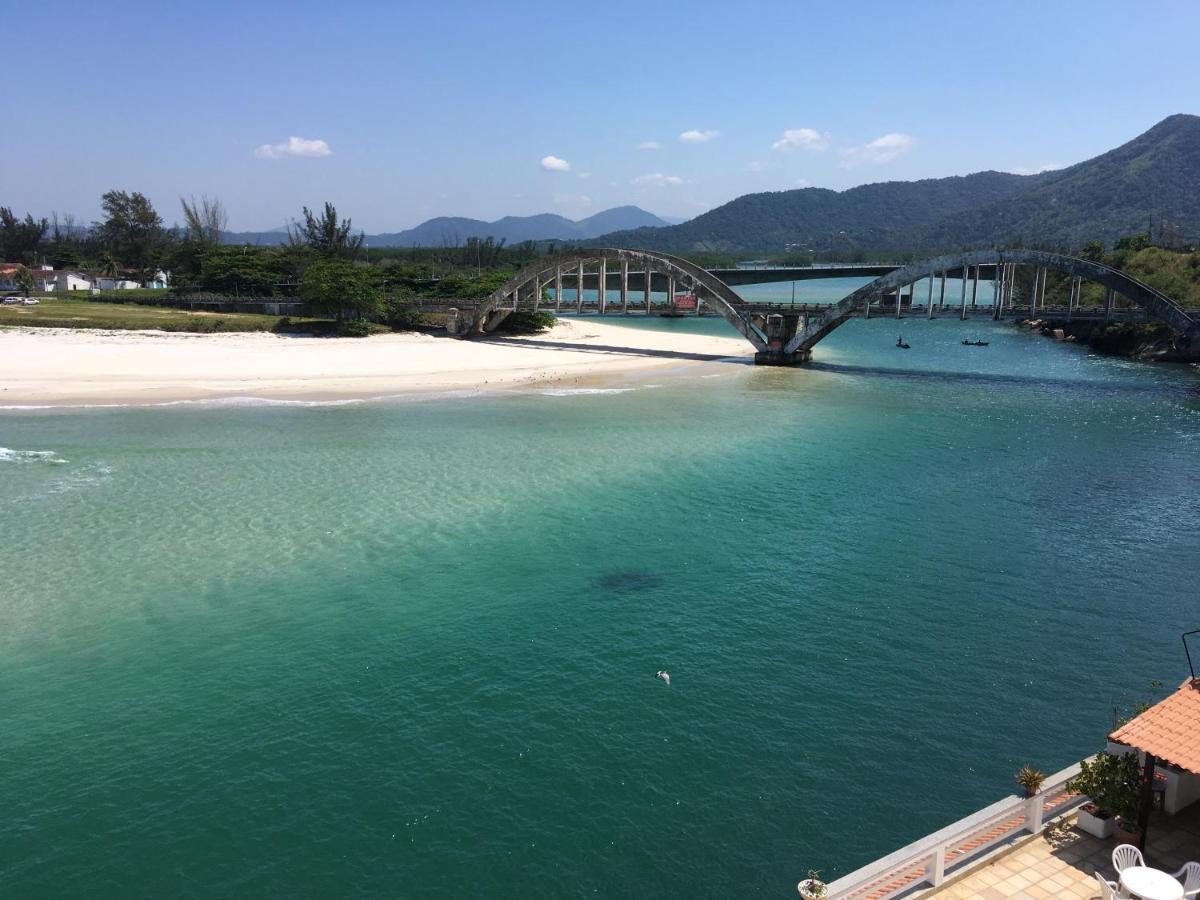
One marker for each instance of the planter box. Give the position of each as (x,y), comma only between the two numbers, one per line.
(1096,826)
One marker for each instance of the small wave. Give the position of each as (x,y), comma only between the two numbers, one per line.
(570,392)
(45,456)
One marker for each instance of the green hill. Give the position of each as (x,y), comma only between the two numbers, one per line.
(1155,175)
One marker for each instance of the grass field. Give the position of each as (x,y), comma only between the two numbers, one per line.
(117,316)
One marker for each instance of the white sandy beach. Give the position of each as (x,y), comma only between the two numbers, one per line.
(52,367)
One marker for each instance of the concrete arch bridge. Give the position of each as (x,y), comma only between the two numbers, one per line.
(785,334)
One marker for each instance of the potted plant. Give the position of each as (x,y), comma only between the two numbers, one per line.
(1030,779)
(1111,781)
(812,887)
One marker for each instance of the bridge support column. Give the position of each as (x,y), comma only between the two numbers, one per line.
(929,299)
(537,293)
(1072,288)
(602,284)
(963,300)
(899,300)
(671,294)
(579,288)
(494,318)
(624,287)
(646,289)
(557,288)
(1109,297)
(942,294)
(779,329)
(1033,283)
(975,288)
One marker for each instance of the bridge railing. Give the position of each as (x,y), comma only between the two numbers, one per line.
(939,856)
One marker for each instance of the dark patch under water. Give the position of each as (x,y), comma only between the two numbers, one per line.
(628,582)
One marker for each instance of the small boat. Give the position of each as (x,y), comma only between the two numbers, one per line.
(900,343)
(975,343)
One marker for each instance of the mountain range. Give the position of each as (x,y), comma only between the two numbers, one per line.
(453,230)
(1155,177)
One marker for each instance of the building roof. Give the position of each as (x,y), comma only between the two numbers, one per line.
(1169,730)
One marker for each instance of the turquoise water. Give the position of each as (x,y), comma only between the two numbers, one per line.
(408,649)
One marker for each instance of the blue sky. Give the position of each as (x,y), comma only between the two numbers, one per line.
(403,111)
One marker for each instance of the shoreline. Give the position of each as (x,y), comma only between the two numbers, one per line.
(71,369)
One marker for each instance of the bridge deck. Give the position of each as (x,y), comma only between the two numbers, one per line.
(883,311)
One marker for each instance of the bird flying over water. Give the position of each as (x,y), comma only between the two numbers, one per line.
(664,676)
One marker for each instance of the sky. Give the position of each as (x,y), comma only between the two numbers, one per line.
(397,111)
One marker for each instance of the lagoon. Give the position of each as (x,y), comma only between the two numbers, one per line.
(408,648)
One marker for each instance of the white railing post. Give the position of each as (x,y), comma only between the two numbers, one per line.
(1033,814)
(937,866)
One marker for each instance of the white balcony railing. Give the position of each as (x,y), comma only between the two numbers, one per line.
(938,856)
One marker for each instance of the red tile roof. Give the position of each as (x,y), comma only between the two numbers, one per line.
(1169,730)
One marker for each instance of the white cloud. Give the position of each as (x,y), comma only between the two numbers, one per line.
(698,137)
(879,151)
(583,174)
(657,179)
(754,166)
(803,183)
(801,139)
(293,146)
(1048,167)
(648,145)
(554,164)
(572,199)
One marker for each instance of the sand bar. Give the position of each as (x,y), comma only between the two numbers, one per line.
(58,367)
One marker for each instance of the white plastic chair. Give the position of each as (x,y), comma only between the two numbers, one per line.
(1108,889)
(1191,879)
(1126,855)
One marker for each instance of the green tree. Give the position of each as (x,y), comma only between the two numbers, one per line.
(1132,242)
(327,236)
(241,271)
(334,286)
(204,220)
(20,238)
(1093,251)
(24,279)
(132,231)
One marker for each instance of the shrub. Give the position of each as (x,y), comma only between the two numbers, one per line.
(1111,781)
(527,322)
(356,328)
(403,314)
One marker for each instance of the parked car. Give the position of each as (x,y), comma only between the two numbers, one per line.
(30,301)
(9,301)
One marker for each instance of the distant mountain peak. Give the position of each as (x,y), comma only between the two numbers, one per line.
(1155,176)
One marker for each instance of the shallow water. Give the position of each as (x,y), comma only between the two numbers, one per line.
(409,648)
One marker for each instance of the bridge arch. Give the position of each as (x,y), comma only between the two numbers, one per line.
(530,280)
(1157,304)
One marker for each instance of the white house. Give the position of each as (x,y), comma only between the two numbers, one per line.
(115,283)
(71,281)
(45,278)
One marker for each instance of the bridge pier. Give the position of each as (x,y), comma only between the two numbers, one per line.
(624,287)
(557,288)
(579,288)
(602,284)
(963,299)
(779,329)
